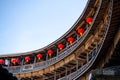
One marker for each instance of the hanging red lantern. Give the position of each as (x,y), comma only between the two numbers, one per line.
(2,61)
(89,20)
(70,40)
(80,31)
(39,56)
(27,58)
(14,60)
(50,52)
(60,46)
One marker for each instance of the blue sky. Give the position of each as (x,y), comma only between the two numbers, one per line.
(27,25)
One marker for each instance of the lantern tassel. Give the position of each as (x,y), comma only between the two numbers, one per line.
(70,42)
(60,49)
(90,23)
(14,63)
(39,58)
(50,55)
(26,60)
(81,34)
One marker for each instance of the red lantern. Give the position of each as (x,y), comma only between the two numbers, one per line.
(14,60)
(27,58)
(60,46)
(2,61)
(50,52)
(89,20)
(70,40)
(80,31)
(39,56)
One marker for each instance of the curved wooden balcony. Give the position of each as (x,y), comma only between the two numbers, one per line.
(77,58)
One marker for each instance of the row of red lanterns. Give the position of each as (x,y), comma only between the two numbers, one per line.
(50,52)
(27,58)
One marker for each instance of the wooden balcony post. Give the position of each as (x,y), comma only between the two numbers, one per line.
(66,71)
(54,75)
(57,51)
(34,59)
(87,57)
(47,57)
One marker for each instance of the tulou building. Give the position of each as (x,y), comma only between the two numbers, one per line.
(89,49)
